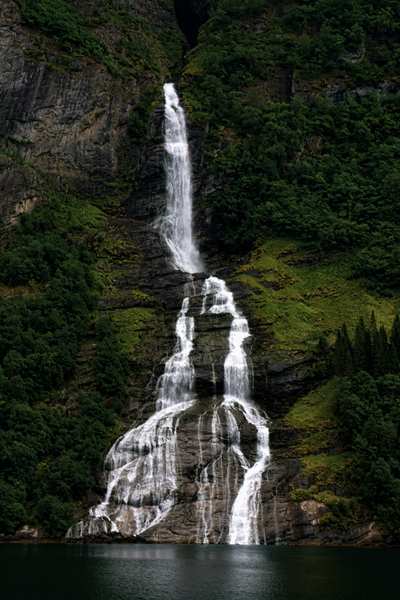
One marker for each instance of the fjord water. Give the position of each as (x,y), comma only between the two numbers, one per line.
(169,572)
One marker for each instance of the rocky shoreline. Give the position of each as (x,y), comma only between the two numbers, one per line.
(366,535)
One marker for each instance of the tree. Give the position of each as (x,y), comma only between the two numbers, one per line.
(359,348)
(342,359)
(395,335)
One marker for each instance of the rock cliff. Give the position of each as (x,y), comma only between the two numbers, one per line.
(66,129)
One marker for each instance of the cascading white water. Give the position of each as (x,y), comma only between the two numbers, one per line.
(176,225)
(243,522)
(141,465)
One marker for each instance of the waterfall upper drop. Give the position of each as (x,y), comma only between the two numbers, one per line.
(176,225)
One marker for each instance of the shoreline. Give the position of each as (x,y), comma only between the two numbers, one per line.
(126,541)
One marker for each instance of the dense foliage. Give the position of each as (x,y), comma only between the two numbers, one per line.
(325,172)
(370,351)
(138,49)
(39,332)
(111,371)
(49,452)
(342,37)
(369,407)
(371,424)
(59,20)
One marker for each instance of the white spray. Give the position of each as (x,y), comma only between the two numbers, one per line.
(246,509)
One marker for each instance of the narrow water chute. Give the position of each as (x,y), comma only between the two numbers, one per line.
(176,224)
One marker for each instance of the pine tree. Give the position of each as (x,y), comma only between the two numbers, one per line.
(339,354)
(348,360)
(367,351)
(373,327)
(359,355)
(394,362)
(384,349)
(342,360)
(348,365)
(346,339)
(395,335)
(380,353)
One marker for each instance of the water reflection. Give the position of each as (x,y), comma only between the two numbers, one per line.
(166,572)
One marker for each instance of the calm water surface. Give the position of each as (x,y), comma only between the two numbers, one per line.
(166,572)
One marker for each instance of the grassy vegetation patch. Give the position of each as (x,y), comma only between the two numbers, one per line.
(316,416)
(114,256)
(135,325)
(318,410)
(317,442)
(297,301)
(78,215)
(328,470)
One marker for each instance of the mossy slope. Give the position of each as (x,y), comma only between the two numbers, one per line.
(297,296)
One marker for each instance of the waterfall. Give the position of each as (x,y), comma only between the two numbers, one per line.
(245,512)
(141,466)
(176,225)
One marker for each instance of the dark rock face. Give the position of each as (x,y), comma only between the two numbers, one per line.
(191,14)
(148,200)
(64,122)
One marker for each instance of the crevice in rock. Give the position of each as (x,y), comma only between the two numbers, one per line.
(191,15)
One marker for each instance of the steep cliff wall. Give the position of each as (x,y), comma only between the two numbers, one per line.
(286,367)
(67,116)
(66,126)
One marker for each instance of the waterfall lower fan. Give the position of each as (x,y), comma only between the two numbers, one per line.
(143,465)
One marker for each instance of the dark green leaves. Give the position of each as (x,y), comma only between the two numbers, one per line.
(48,455)
(111,373)
(371,425)
(60,21)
